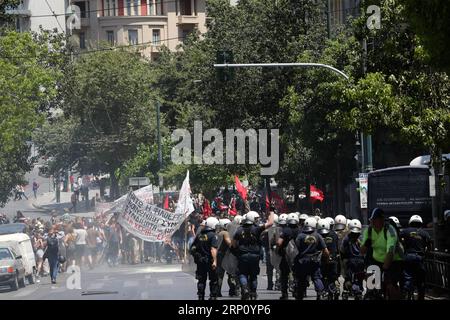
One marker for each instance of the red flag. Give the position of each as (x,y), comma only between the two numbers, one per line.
(267,202)
(316,194)
(206,209)
(279,202)
(240,188)
(232,209)
(166,202)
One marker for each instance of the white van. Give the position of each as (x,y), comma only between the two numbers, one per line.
(23,243)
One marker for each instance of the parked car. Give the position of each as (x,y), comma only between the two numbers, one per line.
(22,245)
(12,270)
(11,228)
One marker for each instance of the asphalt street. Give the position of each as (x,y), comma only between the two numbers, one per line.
(129,282)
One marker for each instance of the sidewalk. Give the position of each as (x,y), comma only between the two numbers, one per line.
(47,202)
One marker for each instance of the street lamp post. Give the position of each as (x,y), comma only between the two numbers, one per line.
(158,125)
(366,141)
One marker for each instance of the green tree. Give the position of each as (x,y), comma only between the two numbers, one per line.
(107,94)
(28,80)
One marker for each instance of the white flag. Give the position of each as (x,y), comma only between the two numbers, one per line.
(185,205)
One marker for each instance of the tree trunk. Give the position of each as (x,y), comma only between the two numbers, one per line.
(296,197)
(114,189)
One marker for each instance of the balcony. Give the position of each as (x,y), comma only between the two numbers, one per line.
(187,19)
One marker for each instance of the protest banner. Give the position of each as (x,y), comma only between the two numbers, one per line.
(148,222)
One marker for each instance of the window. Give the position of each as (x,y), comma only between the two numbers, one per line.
(185,9)
(133,36)
(110,36)
(151,7)
(185,34)
(84,8)
(128,7)
(82,40)
(136,7)
(110,8)
(159,7)
(156,37)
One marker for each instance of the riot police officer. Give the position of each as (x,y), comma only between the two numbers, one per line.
(204,251)
(329,266)
(248,244)
(224,243)
(288,233)
(310,247)
(416,242)
(350,252)
(341,229)
(265,238)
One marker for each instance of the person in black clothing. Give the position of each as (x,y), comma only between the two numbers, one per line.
(416,242)
(288,233)
(329,266)
(351,253)
(266,244)
(247,242)
(204,251)
(310,247)
(52,252)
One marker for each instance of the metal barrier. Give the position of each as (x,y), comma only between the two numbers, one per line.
(437,266)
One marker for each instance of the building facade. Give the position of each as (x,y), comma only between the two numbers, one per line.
(31,15)
(145,24)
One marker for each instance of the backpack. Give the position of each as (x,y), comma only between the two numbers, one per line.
(52,244)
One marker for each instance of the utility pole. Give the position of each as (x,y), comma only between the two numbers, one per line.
(158,125)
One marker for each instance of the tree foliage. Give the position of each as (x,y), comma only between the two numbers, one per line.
(28,78)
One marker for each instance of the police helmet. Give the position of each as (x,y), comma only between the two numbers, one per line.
(323,226)
(275,218)
(416,219)
(224,222)
(303,216)
(292,218)
(282,219)
(355,226)
(330,221)
(211,223)
(317,218)
(340,222)
(310,224)
(395,221)
(446,214)
(252,216)
(237,219)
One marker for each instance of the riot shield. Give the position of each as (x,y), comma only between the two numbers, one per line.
(231,228)
(230,262)
(291,253)
(219,239)
(274,234)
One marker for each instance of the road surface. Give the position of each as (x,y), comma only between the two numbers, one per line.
(129,282)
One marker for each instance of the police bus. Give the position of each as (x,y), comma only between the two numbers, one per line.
(402,192)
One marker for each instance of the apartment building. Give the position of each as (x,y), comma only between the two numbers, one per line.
(145,24)
(31,15)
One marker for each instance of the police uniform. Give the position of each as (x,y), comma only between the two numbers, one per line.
(201,250)
(307,262)
(351,253)
(288,233)
(415,242)
(248,253)
(329,268)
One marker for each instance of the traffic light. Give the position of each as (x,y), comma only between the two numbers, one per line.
(224,57)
